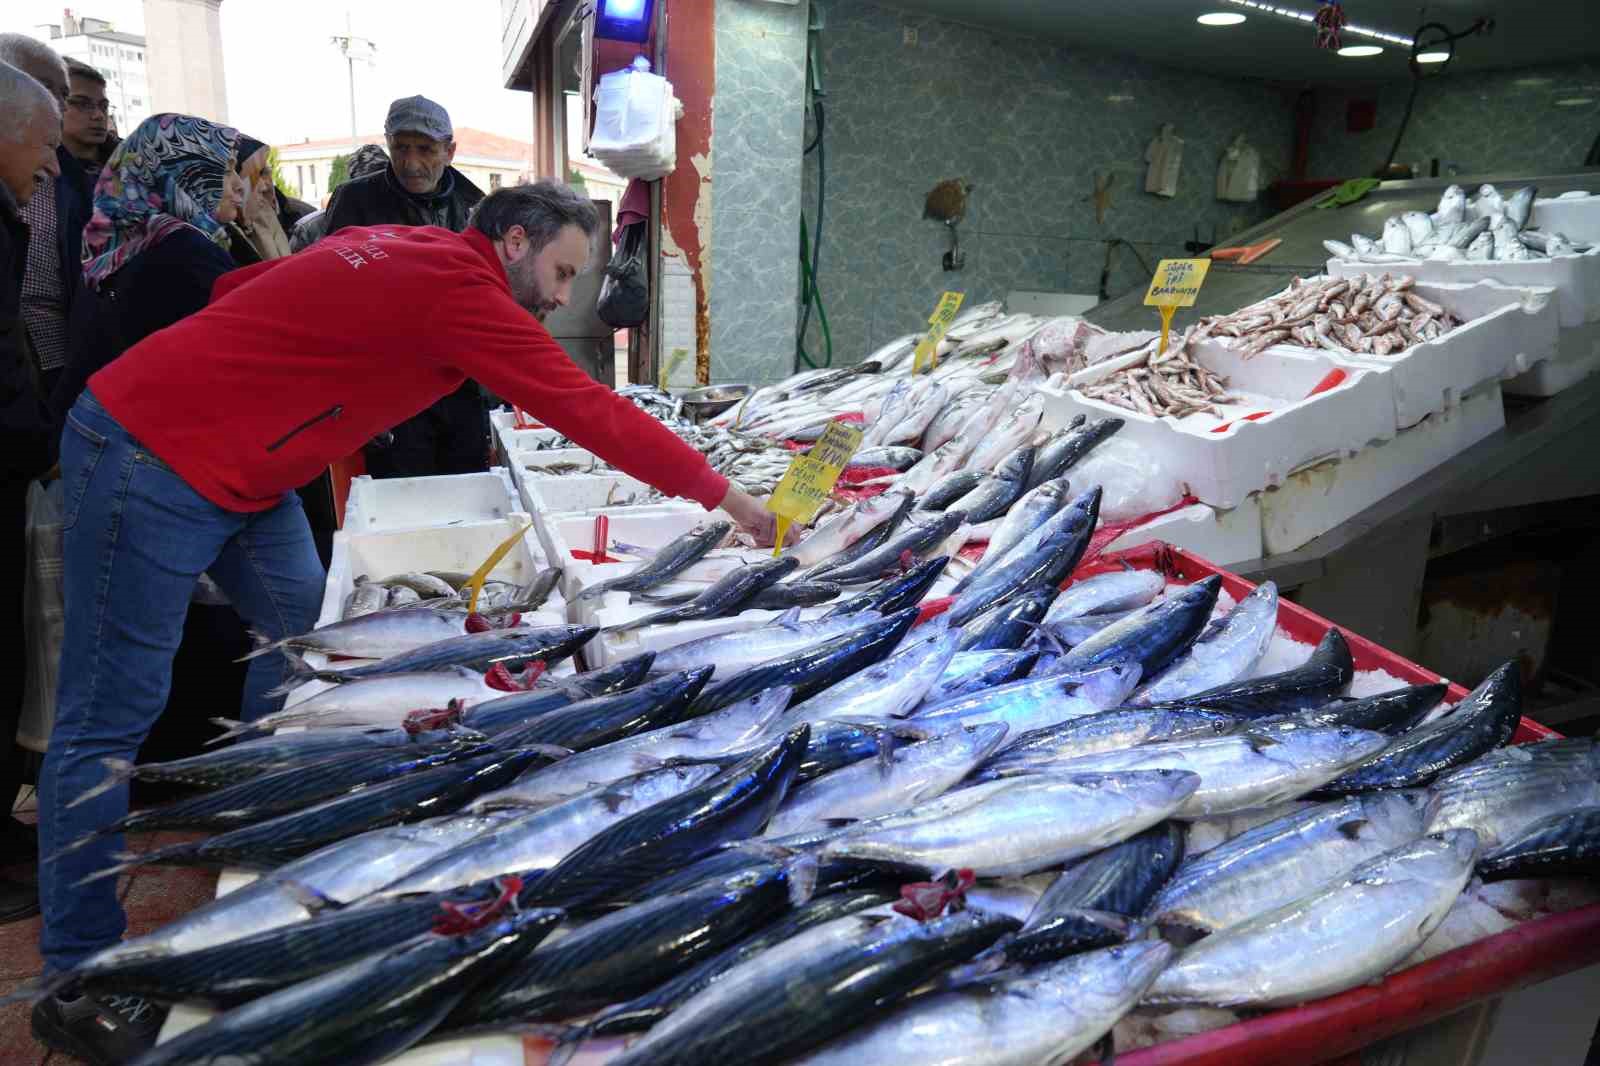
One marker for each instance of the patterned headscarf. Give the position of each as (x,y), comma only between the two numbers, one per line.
(166,175)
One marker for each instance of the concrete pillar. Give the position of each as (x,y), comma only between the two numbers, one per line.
(183,49)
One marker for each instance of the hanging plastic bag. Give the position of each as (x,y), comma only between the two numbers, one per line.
(624,300)
(1239,173)
(1165,156)
(43,615)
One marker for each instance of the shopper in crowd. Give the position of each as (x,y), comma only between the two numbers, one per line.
(113,139)
(365,161)
(420,188)
(30,131)
(256,235)
(154,501)
(157,243)
(86,123)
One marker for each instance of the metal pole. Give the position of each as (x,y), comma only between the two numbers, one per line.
(351,63)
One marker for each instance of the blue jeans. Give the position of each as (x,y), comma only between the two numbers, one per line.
(135,537)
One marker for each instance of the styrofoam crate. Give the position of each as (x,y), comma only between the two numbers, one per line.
(591,493)
(1576,217)
(461,547)
(377,505)
(1221,469)
(1577,356)
(1576,278)
(1224,537)
(651,527)
(556,462)
(1505,333)
(1314,500)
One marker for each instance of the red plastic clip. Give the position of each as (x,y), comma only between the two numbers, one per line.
(422,721)
(926,900)
(458,918)
(602,537)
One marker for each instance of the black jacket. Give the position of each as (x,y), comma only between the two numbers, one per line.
(27,448)
(380,199)
(166,282)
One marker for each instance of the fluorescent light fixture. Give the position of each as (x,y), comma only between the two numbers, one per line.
(1531,83)
(1308,17)
(1432,57)
(1359,51)
(1220,18)
(1119,98)
(1575,101)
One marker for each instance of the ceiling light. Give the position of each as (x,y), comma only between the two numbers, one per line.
(1220,18)
(1432,57)
(1531,83)
(1307,16)
(1575,101)
(1118,98)
(1357,51)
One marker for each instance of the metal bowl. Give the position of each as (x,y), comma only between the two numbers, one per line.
(712,400)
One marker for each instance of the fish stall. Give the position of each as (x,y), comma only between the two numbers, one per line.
(972,777)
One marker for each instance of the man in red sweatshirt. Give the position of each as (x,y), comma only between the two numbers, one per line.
(182,457)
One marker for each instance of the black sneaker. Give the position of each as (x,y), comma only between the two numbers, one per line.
(18,900)
(100,1030)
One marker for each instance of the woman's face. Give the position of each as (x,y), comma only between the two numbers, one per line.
(250,169)
(233,190)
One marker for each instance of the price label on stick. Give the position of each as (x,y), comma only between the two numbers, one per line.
(927,353)
(1176,284)
(810,478)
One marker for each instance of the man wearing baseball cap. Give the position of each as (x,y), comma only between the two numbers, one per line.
(419,187)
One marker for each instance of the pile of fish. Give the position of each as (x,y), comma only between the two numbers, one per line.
(446,591)
(1163,383)
(1362,315)
(1489,226)
(992,836)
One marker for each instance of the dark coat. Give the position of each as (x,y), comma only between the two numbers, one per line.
(26,445)
(379,199)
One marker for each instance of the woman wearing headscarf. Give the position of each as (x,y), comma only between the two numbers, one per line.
(257,234)
(157,242)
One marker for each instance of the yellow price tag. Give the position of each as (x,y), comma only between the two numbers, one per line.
(810,478)
(479,576)
(1176,284)
(927,353)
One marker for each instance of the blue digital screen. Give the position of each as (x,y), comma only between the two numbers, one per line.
(623,20)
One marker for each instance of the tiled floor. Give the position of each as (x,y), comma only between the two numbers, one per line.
(152,897)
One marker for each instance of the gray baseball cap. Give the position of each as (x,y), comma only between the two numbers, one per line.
(418,114)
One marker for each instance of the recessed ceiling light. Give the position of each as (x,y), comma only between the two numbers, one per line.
(1356,51)
(1220,18)
(1433,57)
(1531,83)
(1575,101)
(1119,98)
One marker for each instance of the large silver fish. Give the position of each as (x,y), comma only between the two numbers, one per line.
(1330,939)
(1242,771)
(1271,864)
(1036,702)
(1504,792)
(1228,652)
(1027,825)
(740,650)
(1117,590)
(891,688)
(1044,1017)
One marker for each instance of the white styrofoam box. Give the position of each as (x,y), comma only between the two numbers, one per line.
(593,493)
(1575,217)
(1221,469)
(415,502)
(650,527)
(1314,500)
(461,547)
(1222,537)
(1577,356)
(1576,278)
(1506,332)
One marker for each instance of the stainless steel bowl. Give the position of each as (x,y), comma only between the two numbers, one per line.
(712,400)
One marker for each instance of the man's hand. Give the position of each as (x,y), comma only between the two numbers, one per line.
(753,516)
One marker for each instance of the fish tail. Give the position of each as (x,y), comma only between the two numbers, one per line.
(232,729)
(801,873)
(264,644)
(300,671)
(131,860)
(568,1039)
(87,838)
(117,772)
(37,988)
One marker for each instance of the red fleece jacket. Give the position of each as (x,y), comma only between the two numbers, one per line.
(300,361)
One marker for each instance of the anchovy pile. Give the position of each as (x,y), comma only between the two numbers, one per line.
(1164,383)
(1366,315)
(1489,226)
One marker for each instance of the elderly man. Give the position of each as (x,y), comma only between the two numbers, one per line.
(419,187)
(30,131)
(157,501)
(56,218)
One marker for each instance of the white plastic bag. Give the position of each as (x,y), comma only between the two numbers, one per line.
(1133,485)
(635,130)
(43,619)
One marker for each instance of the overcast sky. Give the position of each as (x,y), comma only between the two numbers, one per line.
(287,82)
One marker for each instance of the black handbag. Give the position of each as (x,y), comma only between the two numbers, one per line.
(624,300)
